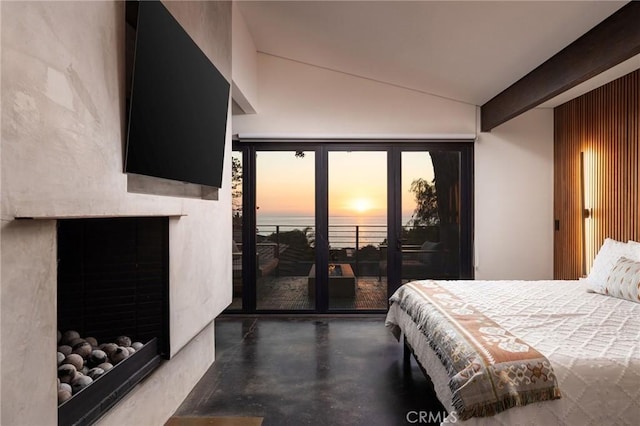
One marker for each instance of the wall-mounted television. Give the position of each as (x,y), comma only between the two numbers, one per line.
(178,102)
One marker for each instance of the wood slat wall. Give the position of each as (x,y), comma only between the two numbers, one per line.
(604,125)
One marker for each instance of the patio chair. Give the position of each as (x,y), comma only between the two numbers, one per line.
(419,261)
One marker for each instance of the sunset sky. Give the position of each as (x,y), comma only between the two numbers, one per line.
(357,182)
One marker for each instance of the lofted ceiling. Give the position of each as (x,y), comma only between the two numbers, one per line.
(467,51)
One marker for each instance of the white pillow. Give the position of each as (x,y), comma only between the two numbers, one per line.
(590,288)
(633,251)
(634,246)
(606,259)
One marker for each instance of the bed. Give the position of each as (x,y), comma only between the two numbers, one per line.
(590,339)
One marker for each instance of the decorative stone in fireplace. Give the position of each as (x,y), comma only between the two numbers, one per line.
(113,280)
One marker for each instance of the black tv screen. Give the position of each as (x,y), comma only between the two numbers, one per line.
(178,105)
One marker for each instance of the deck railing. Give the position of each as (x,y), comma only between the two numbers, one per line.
(351,244)
(362,246)
(340,236)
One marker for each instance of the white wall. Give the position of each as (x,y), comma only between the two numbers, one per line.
(244,64)
(514,199)
(298,98)
(63,89)
(513,164)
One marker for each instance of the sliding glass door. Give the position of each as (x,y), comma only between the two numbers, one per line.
(328,227)
(430,236)
(285,230)
(357,229)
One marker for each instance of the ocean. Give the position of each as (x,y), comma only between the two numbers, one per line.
(343,230)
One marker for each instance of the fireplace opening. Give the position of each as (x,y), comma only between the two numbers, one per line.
(113,310)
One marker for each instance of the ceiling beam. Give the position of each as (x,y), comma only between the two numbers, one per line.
(609,43)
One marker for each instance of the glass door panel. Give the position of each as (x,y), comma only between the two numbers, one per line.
(430,203)
(357,188)
(285,230)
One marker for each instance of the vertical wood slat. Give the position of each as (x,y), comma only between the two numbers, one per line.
(604,124)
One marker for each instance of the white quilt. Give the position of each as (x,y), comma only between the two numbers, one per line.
(591,340)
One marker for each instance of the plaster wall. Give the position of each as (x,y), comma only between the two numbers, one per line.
(245,64)
(513,164)
(63,102)
(303,99)
(514,199)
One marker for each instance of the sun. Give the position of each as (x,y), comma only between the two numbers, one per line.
(361,205)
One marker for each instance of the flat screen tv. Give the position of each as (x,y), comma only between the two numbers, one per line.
(178,103)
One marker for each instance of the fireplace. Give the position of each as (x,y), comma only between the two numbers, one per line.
(113,281)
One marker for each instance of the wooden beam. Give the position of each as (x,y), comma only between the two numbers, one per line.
(609,43)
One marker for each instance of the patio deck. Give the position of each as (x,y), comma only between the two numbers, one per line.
(290,293)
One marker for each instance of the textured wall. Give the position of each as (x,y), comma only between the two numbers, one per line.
(604,125)
(62,150)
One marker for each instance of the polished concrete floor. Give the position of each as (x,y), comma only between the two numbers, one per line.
(310,371)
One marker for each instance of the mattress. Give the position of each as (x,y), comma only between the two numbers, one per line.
(591,340)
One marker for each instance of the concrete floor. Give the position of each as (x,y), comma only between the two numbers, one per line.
(310,371)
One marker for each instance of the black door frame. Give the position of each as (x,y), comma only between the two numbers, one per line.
(321,148)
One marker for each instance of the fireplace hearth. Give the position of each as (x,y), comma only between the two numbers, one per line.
(113,281)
